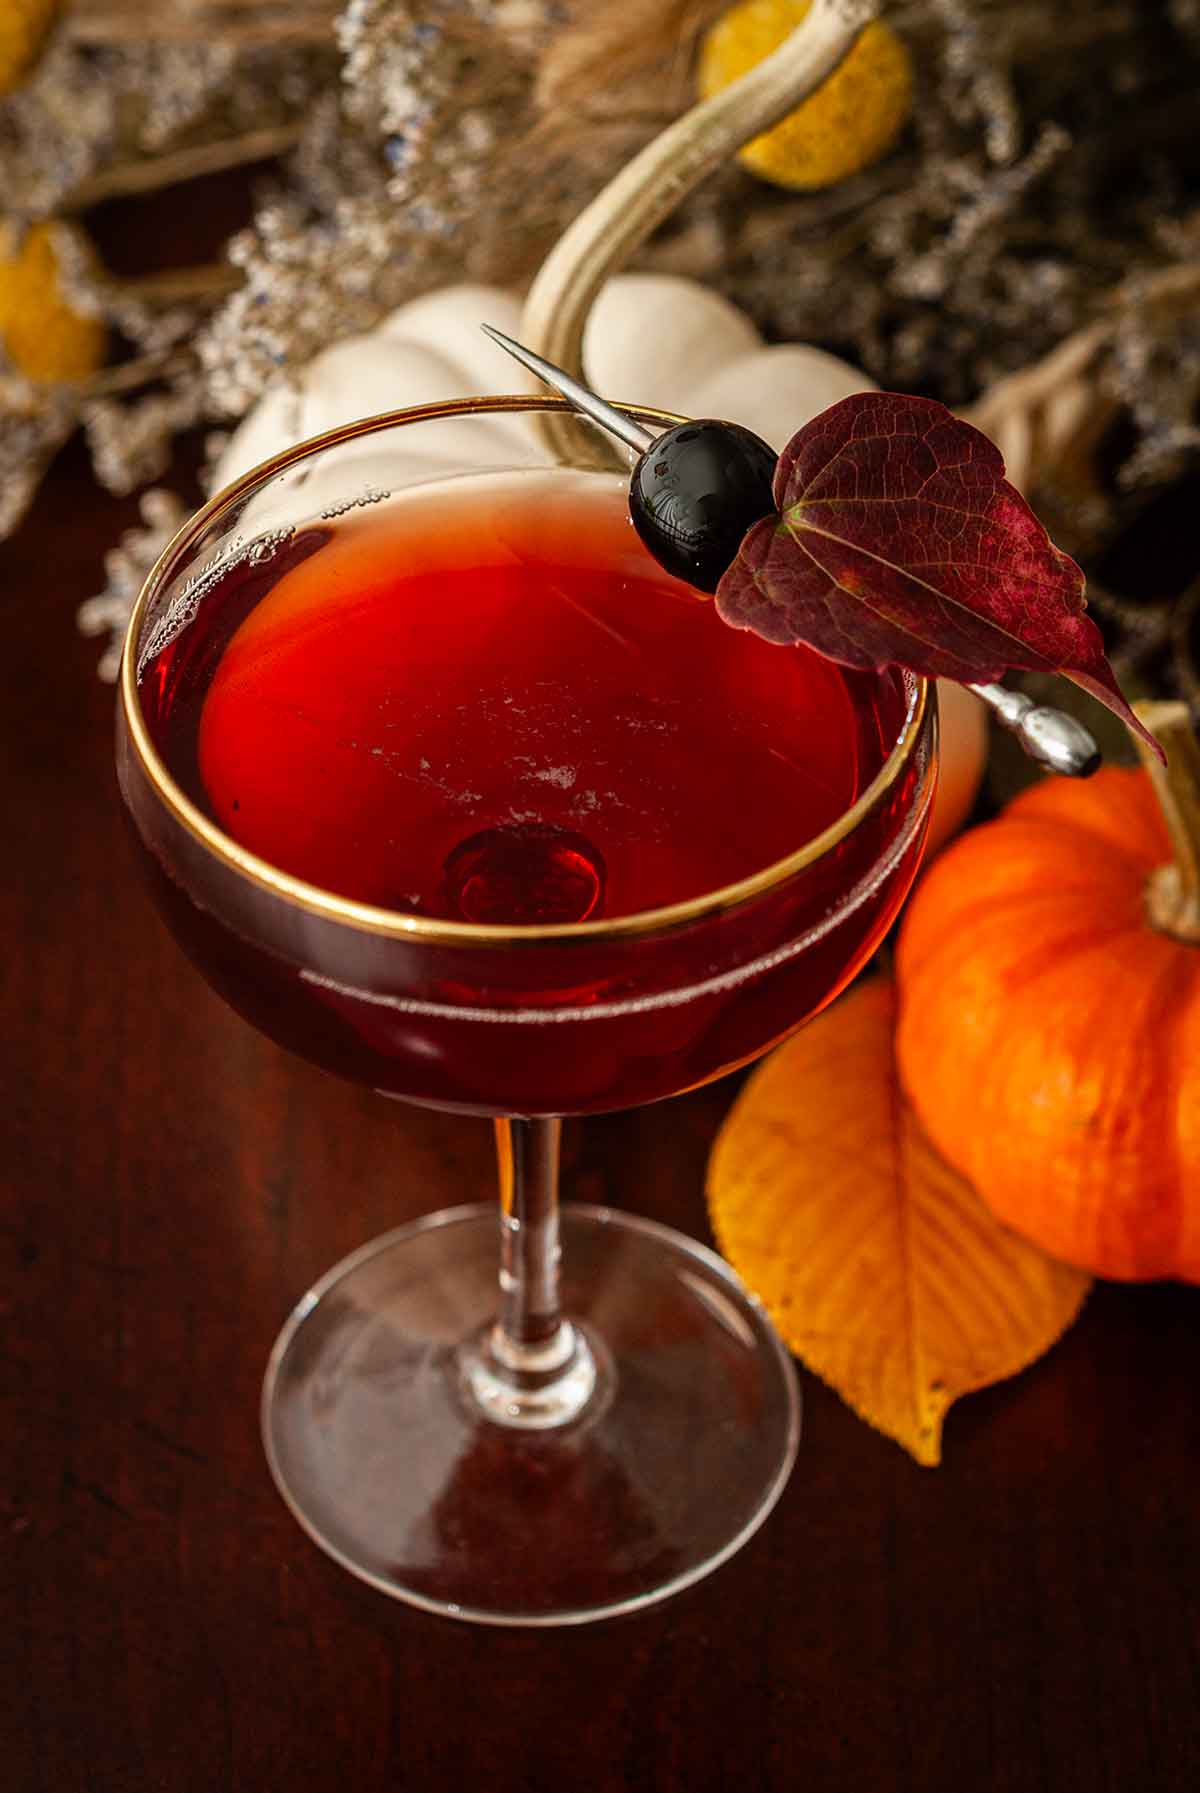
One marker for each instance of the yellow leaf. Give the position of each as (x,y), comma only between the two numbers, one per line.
(878,1264)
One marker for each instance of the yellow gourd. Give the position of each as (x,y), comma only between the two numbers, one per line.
(846,125)
(43,336)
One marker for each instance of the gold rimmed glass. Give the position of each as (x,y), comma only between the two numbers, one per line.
(602,1432)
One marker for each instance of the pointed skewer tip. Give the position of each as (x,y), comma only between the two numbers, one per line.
(637,436)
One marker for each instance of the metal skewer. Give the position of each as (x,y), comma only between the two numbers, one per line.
(626,429)
(1048,735)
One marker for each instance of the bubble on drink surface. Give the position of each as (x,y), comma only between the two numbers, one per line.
(524,874)
(176,608)
(368,495)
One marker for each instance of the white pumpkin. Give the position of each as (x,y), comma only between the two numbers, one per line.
(667,342)
(428,350)
(653,339)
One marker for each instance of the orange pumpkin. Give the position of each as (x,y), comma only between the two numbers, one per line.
(1049,1034)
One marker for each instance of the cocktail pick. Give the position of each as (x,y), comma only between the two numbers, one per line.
(699,486)
(626,429)
(1048,735)
(695,489)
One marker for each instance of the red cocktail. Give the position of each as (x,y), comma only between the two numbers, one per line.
(450,788)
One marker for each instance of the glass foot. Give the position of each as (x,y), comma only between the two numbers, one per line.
(396,1458)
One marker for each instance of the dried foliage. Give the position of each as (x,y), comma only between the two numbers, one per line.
(1049,180)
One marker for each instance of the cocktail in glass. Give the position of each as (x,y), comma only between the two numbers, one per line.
(444,784)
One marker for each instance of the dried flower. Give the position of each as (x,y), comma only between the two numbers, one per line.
(36,423)
(126,567)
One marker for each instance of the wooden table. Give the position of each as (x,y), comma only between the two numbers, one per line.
(1024,1620)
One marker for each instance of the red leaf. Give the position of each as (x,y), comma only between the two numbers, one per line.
(900,542)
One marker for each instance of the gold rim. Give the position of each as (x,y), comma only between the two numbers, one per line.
(366,917)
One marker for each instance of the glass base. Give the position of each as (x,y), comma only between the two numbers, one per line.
(388,1442)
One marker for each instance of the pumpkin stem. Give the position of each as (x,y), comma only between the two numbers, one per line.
(1173,891)
(648,189)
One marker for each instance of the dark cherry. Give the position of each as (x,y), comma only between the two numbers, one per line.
(694,494)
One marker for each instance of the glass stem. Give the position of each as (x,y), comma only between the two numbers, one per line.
(531,1368)
(527,1155)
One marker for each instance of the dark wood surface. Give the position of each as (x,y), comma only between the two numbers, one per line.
(1024,1619)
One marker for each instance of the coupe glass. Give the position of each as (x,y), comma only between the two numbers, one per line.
(588,1437)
